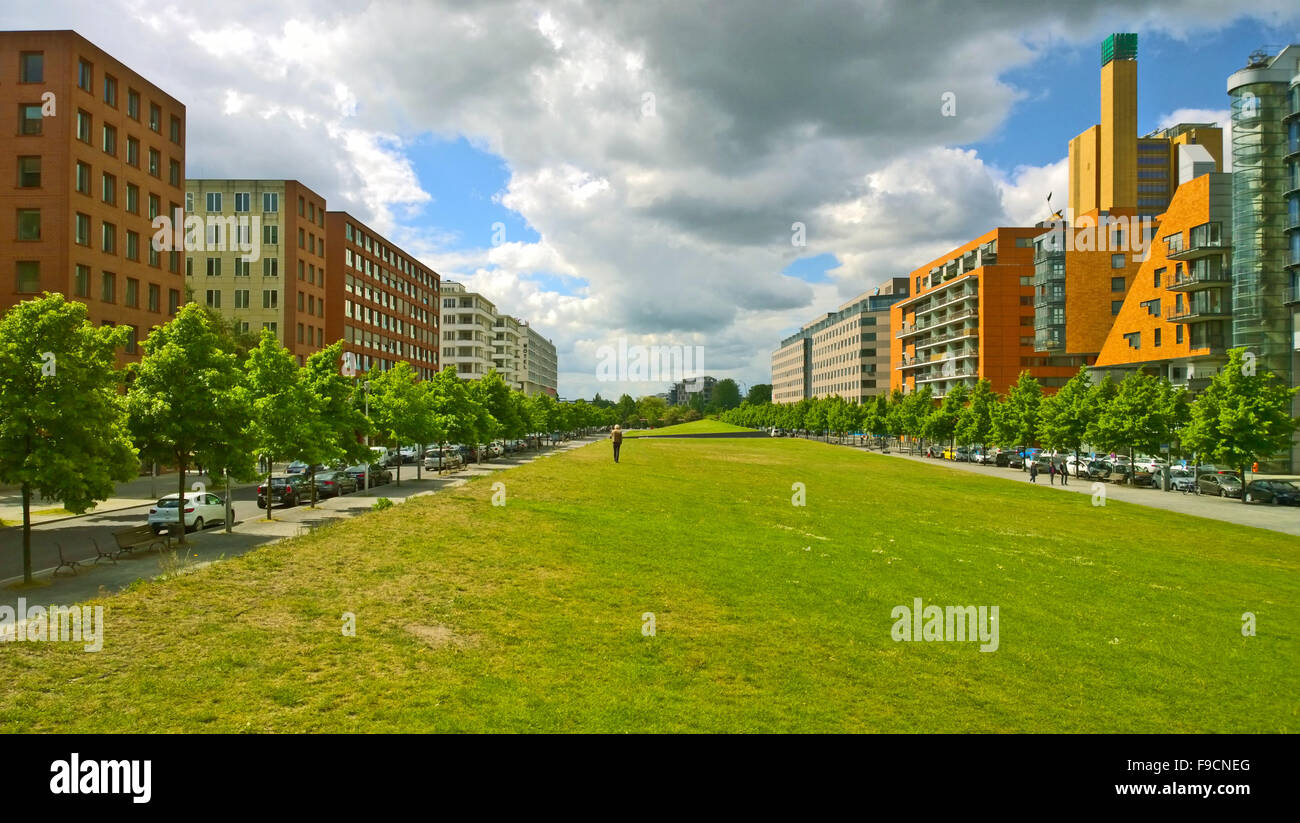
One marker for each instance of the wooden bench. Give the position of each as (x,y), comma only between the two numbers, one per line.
(68,564)
(137,536)
(100,554)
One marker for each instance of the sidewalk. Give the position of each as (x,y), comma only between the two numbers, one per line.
(142,491)
(211,545)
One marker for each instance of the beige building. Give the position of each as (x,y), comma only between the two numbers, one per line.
(540,369)
(467,325)
(844,352)
(255,252)
(507,350)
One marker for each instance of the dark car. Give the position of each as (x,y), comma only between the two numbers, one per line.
(1140,477)
(334,483)
(286,490)
(378,475)
(1277,492)
(1099,470)
(1010,460)
(1223,485)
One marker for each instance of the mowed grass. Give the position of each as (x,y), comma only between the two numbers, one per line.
(768,616)
(704,426)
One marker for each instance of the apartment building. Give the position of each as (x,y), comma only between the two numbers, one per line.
(468,334)
(97,151)
(508,351)
(540,366)
(971,316)
(382,302)
(684,391)
(255,252)
(844,352)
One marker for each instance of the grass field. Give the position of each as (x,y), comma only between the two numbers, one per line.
(768,616)
(705,426)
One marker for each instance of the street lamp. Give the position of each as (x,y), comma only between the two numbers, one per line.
(365,386)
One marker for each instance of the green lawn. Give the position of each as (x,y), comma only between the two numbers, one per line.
(769,617)
(705,426)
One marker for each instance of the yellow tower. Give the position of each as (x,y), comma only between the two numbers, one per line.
(1118,162)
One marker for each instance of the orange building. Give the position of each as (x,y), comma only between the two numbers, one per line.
(971,316)
(381,302)
(96,152)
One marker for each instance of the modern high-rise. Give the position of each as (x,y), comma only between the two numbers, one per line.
(96,151)
(467,325)
(382,302)
(259,257)
(971,316)
(845,352)
(540,368)
(508,351)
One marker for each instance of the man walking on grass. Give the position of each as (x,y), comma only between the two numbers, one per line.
(617,436)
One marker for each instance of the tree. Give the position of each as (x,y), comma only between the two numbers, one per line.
(283,424)
(62,421)
(975,423)
(1064,417)
(1136,421)
(626,410)
(450,407)
(941,424)
(336,416)
(182,394)
(1242,417)
(651,409)
(1020,411)
(726,395)
(399,409)
(759,394)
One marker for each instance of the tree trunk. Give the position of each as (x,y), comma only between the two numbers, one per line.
(1242,472)
(230,514)
(270,464)
(27,533)
(180,503)
(311,476)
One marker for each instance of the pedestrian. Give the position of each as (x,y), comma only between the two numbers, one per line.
(1033,472)
(617,436)
(1051,471)
(1065,475)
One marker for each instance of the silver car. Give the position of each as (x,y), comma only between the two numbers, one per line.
(201,509)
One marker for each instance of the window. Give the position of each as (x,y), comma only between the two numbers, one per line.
(213,298)
(214,267)
(28,276)
(29,172)
(154,297)
(1156,338)
(155,206)
(29,224)
(84,126)
(85,76)
(31,67)
(110,90)
(270,299)
(1117,284)
(133,107)
(302,239)
(1178,334)
(81,281)
(29,119)
(241,201)
(175,130)
(108,287)
(82,180)
(155,117)
(271,235)
(300,301)
(1115,306)
(1134,340)
(173,301)
(270,202)
(132,246)
(133,152)
(271,326)
(301,207)
(108,188)
(82,235)
(155,162)
(1117,261)
(214,201)
(174,172)
(270,267)
(108,238)
(109,139)
(299,332)
(132,339)
(1152,306)
(133,292)
(242,267)
(1174,242)
(132,198)
(241,298)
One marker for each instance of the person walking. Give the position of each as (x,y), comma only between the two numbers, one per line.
(617,436)
(1065,475)
(1033,472)
(1051,471)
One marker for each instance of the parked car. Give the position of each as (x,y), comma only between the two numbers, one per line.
(1099,469)
(1181,479)
(1076,466)
(201,509)
(296,467)
(1223,485)
(1151,464)
(1005,458)
(286,490)
(334,484)
(1136,476)
(495,449)
(448,458)
(378,475)
(1277,492)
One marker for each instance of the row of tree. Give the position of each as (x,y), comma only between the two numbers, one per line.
(73,423)
(1239,419)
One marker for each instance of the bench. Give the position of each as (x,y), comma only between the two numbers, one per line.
(100,554)
(137,536)
(68,564)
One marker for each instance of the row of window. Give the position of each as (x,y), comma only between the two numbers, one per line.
(361,289)
(28,281)
(379,342)
(386,255)
(243,200)
(31,69)
(108,241)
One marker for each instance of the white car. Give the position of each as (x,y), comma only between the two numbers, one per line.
(1150,464)
(201,509)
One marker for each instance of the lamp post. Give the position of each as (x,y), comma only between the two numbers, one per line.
(365,387)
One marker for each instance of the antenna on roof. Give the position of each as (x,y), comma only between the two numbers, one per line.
(1257,59)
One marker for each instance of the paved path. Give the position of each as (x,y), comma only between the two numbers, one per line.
(1284,519)
(250,531)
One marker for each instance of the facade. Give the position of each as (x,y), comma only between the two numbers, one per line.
(540,368)
(508,351)
(467,330)
(255,252)
(844,352)
(382,302)
(97,153)
(971,317)
(684,391)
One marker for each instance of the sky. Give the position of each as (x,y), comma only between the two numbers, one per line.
(643,171)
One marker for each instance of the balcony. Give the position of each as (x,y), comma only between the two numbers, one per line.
(961,334)
(968,371)
(941,300)
(1200,250)
(1213,344)
(1194,279)
(1291,296)
(907,330)
(1198,311)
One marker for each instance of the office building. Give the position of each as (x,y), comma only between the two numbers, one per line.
(540,371)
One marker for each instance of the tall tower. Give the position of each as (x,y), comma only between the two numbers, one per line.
(1118,166)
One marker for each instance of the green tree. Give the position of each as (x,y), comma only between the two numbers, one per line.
(1242,417)
(759,394)
(1064,417)
(62,421)
(1139,419)
(283,421)
(651,409)
(941,424)
(726,395)
(338,420)
(1020,411)
(399,409)
(626,410)
(975,423)
(182,394)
